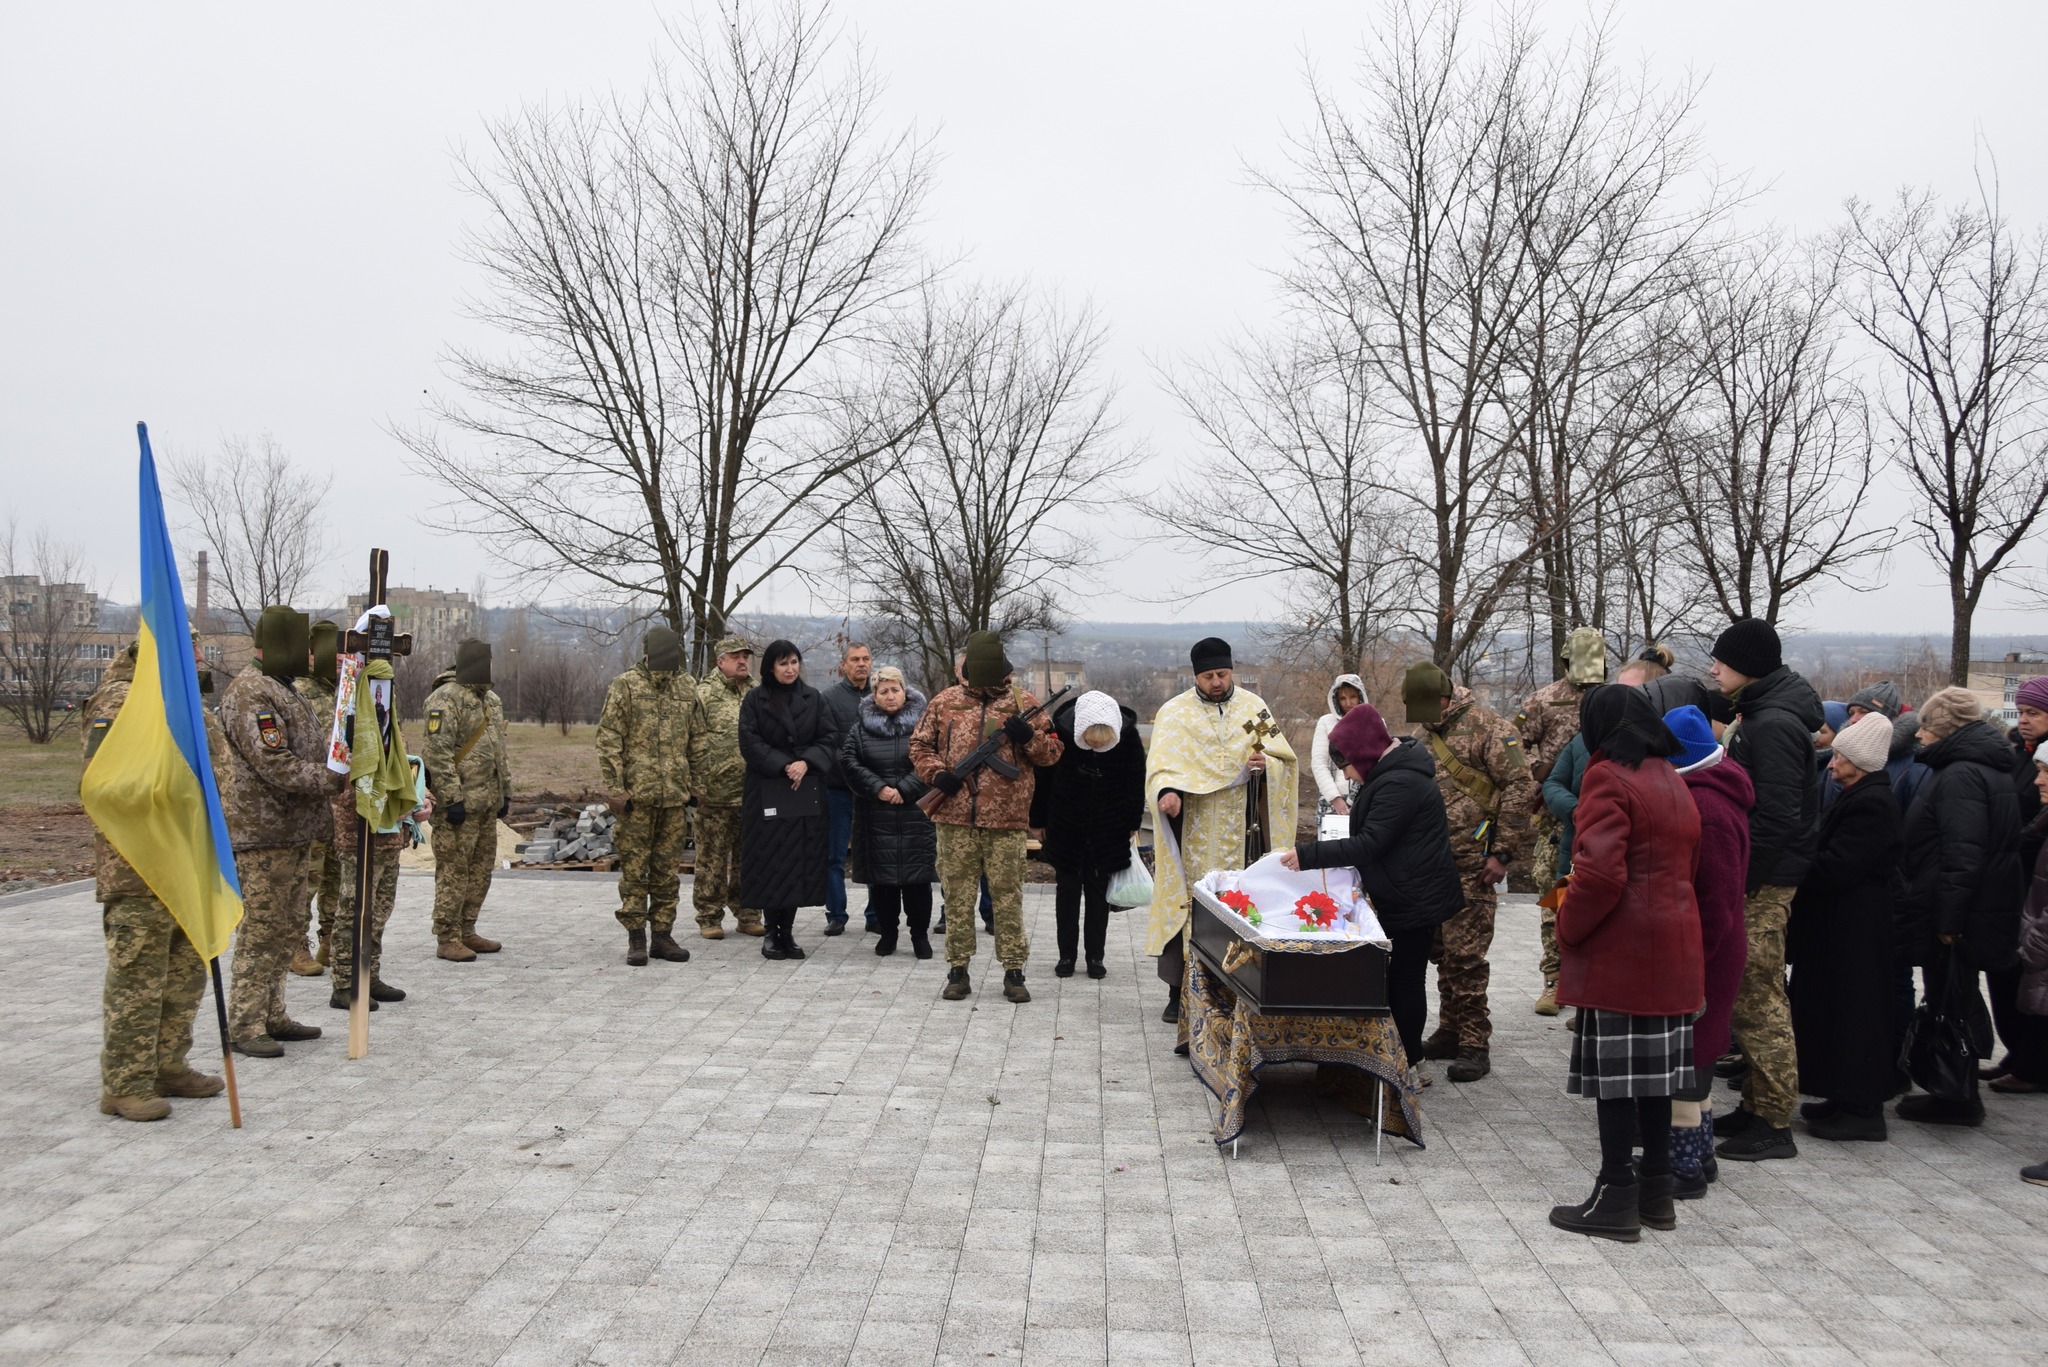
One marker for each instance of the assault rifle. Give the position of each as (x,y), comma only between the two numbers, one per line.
(985,756)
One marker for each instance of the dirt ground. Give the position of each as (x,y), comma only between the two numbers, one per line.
(43,843)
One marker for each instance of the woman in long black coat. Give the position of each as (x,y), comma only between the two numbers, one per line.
(1089,804)
(1400,843)
(895,846)
(1839,942)
(785,740)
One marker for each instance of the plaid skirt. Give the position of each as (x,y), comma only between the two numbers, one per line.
(1617,1055)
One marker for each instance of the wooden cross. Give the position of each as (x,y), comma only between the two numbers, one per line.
(378,643)
(1260,727)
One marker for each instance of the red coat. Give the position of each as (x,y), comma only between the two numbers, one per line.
(1628,934)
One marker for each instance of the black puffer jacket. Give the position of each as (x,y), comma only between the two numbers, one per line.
(1400,843)
(1088,804)
(893,843)
(843,703)
(1962,852)
(782,829)
(1773,740)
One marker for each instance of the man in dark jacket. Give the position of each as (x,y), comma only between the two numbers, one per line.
(842,709)
(1776,714)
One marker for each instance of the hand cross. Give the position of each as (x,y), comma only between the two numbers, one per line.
(1260,727)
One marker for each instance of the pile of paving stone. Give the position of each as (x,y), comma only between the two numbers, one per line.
(572,835)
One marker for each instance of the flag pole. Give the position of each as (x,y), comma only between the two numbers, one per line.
(227,1053)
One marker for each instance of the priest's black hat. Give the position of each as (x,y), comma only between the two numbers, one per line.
(1211,652)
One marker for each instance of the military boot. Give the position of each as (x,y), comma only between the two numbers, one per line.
(259,1046)
(305,965)
(291,1032)
(342,998)
(478,944)
(636,946)
(455,952)
(753,928)
(957,987)
(712,932)
(1443,1044)
(1014,989)
(324,956)
(663,946)
(1472,1065)
(134,1107)
(381,991)
(191,1083)
(1546,1003)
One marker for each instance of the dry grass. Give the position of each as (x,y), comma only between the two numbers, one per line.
(546,761)
(38,774)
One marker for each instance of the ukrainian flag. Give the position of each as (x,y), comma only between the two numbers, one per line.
(149,787)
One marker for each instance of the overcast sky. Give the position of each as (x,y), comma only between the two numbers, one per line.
(241,218)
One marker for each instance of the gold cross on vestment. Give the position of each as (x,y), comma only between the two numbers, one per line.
(1260,727)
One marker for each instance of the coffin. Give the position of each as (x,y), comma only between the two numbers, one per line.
(1287,975)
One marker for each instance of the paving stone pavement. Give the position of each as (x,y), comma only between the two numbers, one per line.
(549,1157)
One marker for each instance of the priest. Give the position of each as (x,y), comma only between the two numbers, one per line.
(1208,746)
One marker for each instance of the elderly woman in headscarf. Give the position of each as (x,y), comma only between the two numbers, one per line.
(1628,936)
(1088,805)
(785,733)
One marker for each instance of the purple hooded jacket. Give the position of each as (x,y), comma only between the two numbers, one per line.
(1723,794)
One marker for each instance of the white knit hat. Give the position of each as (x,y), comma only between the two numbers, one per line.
(1096,708)
(1866,742)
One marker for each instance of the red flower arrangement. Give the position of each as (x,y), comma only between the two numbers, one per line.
(1240,903)
(1317,911)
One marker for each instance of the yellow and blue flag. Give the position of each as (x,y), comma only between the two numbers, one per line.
(149,787)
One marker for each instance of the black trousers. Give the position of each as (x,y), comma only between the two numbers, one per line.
(913,901)
(2025,1037)
(1073,889)
(1408,985)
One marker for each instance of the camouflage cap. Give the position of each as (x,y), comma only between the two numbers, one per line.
(736,645)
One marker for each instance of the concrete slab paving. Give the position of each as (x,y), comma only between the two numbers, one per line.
(549,1157)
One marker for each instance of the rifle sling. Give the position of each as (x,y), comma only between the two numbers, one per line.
(1470,781)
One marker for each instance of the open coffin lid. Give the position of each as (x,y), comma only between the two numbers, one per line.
(1274,889)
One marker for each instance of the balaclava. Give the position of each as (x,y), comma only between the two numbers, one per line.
(664,650)
(1585,657)
(284,636)
(986,666)
(473,664)
(1423,690)
(326,644)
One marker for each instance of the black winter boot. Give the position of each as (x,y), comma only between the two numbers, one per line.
(920,942)
(1609,1213)
(1443,1044)
(1171,1015)
(1654,1195)
(636,947)
(771,943)
(790,948)
(1472,1065)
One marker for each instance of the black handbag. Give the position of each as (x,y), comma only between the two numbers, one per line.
(1940,1052)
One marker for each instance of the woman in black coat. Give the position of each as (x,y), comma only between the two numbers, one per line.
(1839,942)
(895,846)
(1962,870)
(1400,843)
(785,740)
(1089,805)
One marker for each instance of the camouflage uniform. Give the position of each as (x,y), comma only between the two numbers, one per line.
(276,806)
(323,872)
(1762,1023)
(1547,723)
(983,827)
(155,978)
(465,855)
(1485,745)
(720,775)
(643,750)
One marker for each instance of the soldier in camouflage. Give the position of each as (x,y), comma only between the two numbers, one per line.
(1547,723)
(384,848)
(324,874)
(720,777)
(155,978)
(1488,792)
(276,805)
(643,756)
(469,773)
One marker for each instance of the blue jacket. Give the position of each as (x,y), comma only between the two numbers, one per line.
(1561,795)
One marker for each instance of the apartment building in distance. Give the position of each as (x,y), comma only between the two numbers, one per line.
(433,616)
(1996,681)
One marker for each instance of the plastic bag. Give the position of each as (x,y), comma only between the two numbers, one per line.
(1131,886)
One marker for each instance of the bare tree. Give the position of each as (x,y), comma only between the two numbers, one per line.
(1772,463)
(1291,489)
(48,617)
(690,281)
(1957,304)
(971,528)
(561,685)
(260,514)
(1487,194)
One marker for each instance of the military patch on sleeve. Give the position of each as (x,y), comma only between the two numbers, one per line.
(270,731)
(95,734)
(433,720)
(1512,747)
